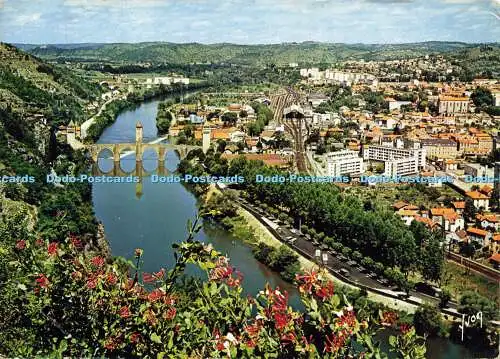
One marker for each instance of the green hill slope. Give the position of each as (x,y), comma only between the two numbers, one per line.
(303,53)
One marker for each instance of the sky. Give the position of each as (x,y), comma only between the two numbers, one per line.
(249,21)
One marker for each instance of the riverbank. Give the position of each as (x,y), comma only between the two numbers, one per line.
(266,236)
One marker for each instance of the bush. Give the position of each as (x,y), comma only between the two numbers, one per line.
(444,297)
(346,251)
(427,320)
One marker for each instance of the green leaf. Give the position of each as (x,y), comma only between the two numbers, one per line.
(160,355)
(314,305)
(392,341)
(155,338)
(21,286)
(213,289)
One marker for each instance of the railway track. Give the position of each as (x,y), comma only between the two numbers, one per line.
(295,127)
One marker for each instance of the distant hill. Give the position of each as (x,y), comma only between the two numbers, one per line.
(302,53)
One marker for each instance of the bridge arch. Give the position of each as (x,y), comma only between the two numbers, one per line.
(105,160)
(126,156)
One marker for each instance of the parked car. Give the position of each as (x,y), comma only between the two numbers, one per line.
(344,272)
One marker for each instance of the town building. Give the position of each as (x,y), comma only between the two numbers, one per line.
(479,199)
(344,162)
(451,105)
(385,153)
(439,148)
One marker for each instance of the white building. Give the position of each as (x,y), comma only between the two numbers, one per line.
(347,77)
(396,105)
(401,167)
(344,162)
(385,154)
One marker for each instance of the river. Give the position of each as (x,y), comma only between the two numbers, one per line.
(157,217)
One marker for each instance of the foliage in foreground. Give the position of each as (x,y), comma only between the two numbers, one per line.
(58,299)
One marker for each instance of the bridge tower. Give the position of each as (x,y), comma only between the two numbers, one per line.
(138,141)
(207,132)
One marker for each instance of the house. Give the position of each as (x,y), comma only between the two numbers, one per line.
(407,216)
(427,221)
(495,243)
(447,217)
(400,205)
(459,206)
(479,199)
(237,136)
(317,99)
(479,235)
(489,221)
(495,260)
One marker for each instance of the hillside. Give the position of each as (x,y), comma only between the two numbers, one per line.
(35,98)
(302,53)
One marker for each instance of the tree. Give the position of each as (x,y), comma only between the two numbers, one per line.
(444,298)
(427,320)
(472,302)
(229,118)
(482,97)
(470,210)
(432,259)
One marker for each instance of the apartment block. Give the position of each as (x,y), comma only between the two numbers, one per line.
(385,154)
(344,162)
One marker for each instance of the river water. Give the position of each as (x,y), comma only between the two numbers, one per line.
(155,217)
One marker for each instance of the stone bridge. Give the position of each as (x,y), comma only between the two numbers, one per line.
(120,150)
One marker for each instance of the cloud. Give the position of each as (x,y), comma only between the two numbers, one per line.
(1,4)
(22,20)
(119,3)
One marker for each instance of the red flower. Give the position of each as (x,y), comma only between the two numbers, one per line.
(75,242)
(250,343)
(307,281)
(254,329)
(21,244)
(112,343)
(147,278)
(388,318)
(159,275)
(135,337)
(336,341)
(281,320)
(347,319)
(405,328)
(97,261)
(220,273)
(124,312)
(42,281)
(220,345)
(155,295)
(288,338)
(171,312)
(111,278)
(325,292)
(52,249)
(92,282)
(39,242)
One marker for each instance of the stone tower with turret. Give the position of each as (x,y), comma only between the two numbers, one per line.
(207,133)
(138,141)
